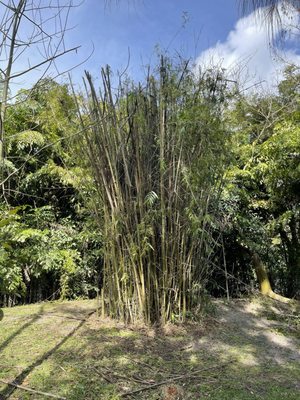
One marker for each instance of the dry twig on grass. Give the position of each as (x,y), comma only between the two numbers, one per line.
(54,396)
(171,380)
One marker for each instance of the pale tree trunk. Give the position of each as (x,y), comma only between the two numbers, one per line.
(6,79)
(263,280)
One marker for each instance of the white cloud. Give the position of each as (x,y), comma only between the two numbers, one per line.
(246,54)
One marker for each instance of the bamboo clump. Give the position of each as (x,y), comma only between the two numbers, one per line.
(151,156)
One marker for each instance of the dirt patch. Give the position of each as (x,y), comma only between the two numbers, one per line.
(248,326)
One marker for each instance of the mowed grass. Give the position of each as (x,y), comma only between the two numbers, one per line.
(64,349)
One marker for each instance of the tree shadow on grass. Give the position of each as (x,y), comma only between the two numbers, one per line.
(27,324)
(74,308)
(19,379)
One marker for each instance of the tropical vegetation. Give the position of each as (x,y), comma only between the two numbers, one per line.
(154,194)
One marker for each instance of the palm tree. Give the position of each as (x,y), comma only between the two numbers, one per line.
(272,11)
(272,6)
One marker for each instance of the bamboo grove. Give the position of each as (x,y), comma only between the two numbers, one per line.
(157,153)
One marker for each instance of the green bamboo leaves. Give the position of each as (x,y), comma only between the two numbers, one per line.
(153,151)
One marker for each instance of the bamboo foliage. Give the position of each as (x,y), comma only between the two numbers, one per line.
(156,153)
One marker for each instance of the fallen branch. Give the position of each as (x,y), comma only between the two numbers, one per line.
(144,364)
(105,377)
(118,376)
(171,380)
(54,396)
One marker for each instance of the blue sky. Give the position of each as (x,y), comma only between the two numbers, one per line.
(141,25)
(187,27)
(207,31)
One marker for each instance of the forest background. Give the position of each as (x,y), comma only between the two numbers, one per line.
(157,194)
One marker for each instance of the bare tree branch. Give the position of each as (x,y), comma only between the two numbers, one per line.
(34,25)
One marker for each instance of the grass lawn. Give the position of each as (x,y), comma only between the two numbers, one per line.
(247,350)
